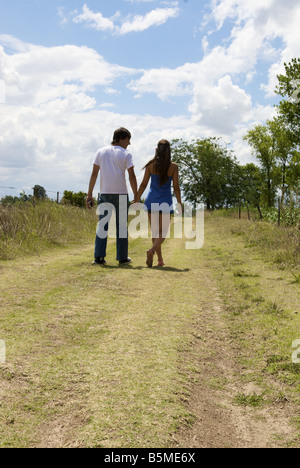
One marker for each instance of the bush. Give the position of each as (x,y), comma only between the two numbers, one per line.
(74,199)
(291,216)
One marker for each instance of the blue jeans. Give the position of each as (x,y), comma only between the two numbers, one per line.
(108,204)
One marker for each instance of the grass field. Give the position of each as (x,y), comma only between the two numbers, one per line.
(32,228)
(198,354)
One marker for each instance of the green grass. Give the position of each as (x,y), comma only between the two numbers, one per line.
(252,400)
(262,302)
(87,346)
(280,245)
(107,357)
(27,228)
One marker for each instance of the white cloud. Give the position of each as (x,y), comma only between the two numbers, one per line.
(37,74)
(166,82)
(216,85)
(137,23)
(94,20)
(154,18)
(222,107)
(258,24)
(239,10)
(112,91)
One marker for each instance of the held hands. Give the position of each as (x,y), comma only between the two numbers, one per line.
(135,200)
(180,208)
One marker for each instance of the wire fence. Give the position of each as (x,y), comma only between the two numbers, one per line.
(35,192)
(57,198)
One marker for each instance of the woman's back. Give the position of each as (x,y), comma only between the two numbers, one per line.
(160,194)
(155,184)
(171,169)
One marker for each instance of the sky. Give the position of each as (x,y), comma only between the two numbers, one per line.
(72,71)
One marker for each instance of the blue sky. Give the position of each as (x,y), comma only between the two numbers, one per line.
(73,71)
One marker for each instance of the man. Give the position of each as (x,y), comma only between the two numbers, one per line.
(112,162)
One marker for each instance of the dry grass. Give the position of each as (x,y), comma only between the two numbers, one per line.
(27,228)
(280,245)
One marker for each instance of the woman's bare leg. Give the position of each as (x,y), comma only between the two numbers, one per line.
(163,228)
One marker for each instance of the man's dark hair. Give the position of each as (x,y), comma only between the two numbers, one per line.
(121,134)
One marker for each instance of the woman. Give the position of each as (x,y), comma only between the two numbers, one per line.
(162,171)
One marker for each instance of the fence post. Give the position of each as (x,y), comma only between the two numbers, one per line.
(279,211)
(57,200)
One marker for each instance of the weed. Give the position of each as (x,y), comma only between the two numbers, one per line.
(244,274)
(253,400)
(273,308)
(297,277)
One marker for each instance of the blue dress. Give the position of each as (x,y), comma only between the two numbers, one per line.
(160,195)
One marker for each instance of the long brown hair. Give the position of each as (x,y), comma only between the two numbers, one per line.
(162,160)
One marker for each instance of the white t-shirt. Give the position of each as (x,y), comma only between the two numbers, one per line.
(113,162)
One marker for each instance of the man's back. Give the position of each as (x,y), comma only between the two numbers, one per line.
(113,161)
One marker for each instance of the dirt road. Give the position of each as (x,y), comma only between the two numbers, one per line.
(185,356)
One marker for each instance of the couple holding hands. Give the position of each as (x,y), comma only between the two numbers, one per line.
(112,163)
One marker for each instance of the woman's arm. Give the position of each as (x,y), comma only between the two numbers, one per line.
(143,186)
(177,185)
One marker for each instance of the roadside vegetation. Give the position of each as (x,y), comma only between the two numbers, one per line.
(31,227)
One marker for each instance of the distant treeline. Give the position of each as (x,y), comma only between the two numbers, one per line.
(69,198)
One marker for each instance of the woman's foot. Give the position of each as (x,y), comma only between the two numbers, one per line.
(160,263)
(150,255)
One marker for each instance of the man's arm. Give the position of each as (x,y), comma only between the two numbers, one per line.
(93,181)
(132,180)
(143,185)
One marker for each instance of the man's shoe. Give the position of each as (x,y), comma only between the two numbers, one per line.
(99,261)
(125,262)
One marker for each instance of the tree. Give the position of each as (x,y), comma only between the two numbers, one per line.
(208,172)
(76,199)
(284,149)
(39,192)
(251,186)
(293,176)
(289,88)
(263,145)
(9,200)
